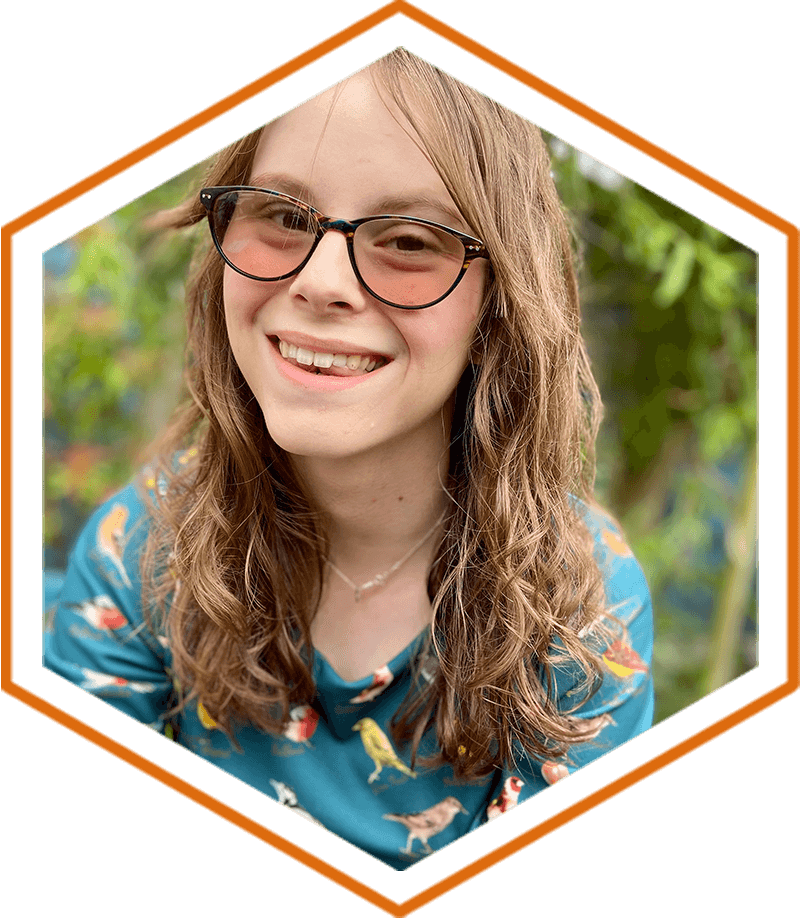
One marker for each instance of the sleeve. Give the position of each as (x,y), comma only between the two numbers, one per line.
(623,707)
(95,636)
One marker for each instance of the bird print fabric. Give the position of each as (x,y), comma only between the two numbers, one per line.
(507,798)
(335,763)
(428,823)
(379,749)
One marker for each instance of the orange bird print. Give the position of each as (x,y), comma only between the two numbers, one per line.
(109,539)
(623,660)
(616,543)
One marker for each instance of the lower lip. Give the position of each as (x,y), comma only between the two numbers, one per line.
(318,382)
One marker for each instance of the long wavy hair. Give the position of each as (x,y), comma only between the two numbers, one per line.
(234,560)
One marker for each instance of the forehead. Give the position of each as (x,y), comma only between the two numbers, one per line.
(347,146)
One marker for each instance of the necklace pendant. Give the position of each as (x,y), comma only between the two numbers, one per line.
(357,594)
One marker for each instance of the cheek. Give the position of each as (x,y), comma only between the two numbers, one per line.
(238,299)
(448,336)
(241,303)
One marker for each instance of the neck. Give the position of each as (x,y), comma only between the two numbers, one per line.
(377,507)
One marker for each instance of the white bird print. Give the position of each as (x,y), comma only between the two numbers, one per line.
(287,797)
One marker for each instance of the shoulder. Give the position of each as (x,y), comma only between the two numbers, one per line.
(118,527)
(623,635)
(624,580)
(114,541)
(96,635)
(121,513)
(605,530)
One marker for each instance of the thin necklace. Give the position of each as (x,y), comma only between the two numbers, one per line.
(382,578)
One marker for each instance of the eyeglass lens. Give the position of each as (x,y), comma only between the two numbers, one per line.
(402,261)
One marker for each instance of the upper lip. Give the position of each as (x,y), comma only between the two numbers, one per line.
(326,345)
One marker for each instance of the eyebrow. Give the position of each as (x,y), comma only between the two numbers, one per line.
(284,184)
(407,204)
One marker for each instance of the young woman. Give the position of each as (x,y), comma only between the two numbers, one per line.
(367,576)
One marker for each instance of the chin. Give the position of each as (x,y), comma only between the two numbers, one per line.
(313,444)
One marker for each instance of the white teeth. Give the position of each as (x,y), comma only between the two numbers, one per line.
(312,358)
(287,350)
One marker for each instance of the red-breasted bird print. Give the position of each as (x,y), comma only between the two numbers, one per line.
(428,823)
(380,679)
(101,613)
(94,680)
(506,799)
(303,722)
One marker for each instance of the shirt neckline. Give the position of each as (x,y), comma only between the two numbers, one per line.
(324,668)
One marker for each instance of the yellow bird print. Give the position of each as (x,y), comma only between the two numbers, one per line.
(204,717)
(379,749)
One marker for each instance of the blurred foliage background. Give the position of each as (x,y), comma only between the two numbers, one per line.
(670,320)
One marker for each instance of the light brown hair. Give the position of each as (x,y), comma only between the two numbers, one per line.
(514,584)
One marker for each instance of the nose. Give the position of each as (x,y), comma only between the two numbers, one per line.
(328,281)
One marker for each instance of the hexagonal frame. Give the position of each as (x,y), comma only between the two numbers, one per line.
(744,708)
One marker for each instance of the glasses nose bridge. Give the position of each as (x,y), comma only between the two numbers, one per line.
(346,228)
(339,226)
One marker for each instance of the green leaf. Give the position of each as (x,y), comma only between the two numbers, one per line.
(721,432)
(676,274)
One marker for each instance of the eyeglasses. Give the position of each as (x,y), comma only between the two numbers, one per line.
(402,261)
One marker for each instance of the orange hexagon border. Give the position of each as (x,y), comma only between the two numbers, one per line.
(793,465)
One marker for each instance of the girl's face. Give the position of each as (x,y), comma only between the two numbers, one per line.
(348,156)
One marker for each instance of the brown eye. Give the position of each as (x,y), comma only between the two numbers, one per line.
(294,220)
(402,238)
(408,243)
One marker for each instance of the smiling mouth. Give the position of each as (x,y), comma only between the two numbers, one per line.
(326,364)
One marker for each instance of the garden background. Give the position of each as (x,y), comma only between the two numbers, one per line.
(670,320)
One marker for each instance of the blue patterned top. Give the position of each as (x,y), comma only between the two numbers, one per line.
(334,763)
